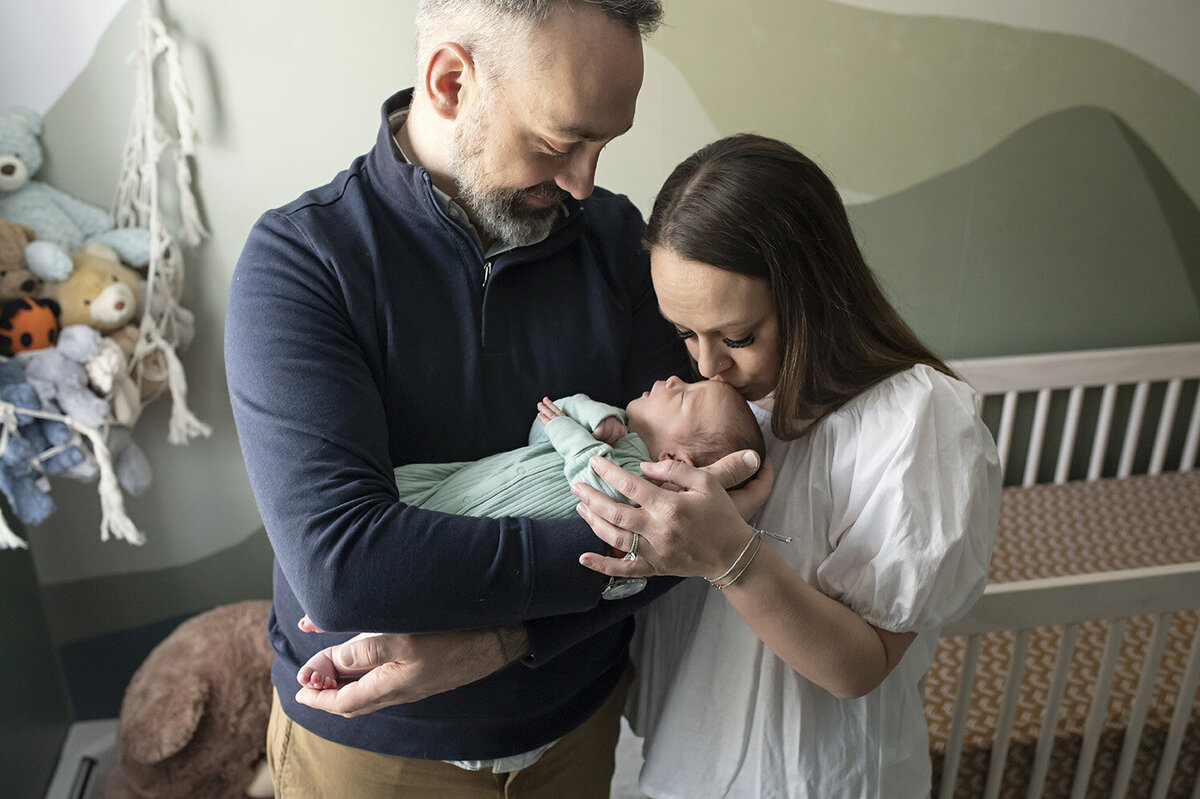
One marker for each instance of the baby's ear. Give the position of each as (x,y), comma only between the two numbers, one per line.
(676,455)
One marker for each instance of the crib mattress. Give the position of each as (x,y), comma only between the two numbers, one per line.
(1077,528)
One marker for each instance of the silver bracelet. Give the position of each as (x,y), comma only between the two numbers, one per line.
(755,536)
(742,554)
(743,569)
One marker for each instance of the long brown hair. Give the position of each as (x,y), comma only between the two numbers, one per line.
(758,207)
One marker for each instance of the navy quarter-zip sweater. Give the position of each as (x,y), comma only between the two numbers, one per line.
(361,334)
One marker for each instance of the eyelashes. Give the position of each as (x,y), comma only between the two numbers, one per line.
(732,344)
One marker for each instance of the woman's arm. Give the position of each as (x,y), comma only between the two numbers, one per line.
(817,636)
(698,531)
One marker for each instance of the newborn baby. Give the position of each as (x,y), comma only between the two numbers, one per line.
(698,423)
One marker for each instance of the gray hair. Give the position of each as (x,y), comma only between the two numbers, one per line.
(491,28)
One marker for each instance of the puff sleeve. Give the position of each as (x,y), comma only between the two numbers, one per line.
(916,494)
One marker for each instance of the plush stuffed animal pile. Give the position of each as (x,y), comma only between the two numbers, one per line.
(61,222)
(70,307)
(16,279)
(194,719)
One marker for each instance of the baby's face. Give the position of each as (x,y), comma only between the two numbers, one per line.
(672,411)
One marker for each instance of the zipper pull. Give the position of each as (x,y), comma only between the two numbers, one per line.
(487,272)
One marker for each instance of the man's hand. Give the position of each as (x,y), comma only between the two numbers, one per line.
(399,669)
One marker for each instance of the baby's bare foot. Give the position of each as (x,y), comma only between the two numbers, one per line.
(319,673)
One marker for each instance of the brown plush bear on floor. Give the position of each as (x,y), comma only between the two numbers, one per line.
(194,719)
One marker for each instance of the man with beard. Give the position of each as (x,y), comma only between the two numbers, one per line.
(415,309)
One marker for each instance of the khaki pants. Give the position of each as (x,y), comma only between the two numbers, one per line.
(306,766)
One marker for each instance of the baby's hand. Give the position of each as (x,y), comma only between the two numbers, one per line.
(547,410)
(610,430)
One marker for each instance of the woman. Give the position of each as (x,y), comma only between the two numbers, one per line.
(801,674)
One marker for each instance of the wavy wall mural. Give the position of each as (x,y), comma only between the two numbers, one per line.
(1002,156)
(1072,232)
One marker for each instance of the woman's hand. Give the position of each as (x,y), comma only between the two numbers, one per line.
(697,529)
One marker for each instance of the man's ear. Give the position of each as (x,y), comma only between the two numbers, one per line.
(676,455)
(449,75)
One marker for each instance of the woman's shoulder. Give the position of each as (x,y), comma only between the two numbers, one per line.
(896,406)
(917,387)
(897,403)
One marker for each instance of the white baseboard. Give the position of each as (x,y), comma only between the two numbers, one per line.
(86,755)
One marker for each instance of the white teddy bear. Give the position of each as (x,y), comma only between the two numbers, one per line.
(62,222)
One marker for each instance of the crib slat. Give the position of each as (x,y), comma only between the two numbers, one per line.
(1066,447)
(1165,422)
(1108,404)
(1012,692)
(958,728)
(1192,443)
(1141,705)
(1179,721)
(1098,710)
(1058,686)
(1037,437)
(1008,417)
(1133,429)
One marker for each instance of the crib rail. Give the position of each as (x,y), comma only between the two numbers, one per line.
(1157,591)
(1125,411)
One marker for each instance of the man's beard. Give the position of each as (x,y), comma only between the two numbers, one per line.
(499,213)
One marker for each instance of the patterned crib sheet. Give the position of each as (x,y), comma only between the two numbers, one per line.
(1077,528)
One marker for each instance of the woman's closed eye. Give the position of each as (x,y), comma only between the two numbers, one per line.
(733,344)
(739,343)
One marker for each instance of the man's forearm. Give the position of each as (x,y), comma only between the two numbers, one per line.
(513,642)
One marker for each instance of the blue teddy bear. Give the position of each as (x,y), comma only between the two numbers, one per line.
(26,491)
(62,223)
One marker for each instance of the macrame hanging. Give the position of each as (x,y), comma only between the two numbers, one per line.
(166,328)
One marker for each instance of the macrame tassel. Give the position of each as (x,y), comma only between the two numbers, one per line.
(191,229)
(183,425)
(114,521)
(9,539)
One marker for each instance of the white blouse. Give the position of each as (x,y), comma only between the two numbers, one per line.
(892,504)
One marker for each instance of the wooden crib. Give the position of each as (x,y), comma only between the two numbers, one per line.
(1076,673)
